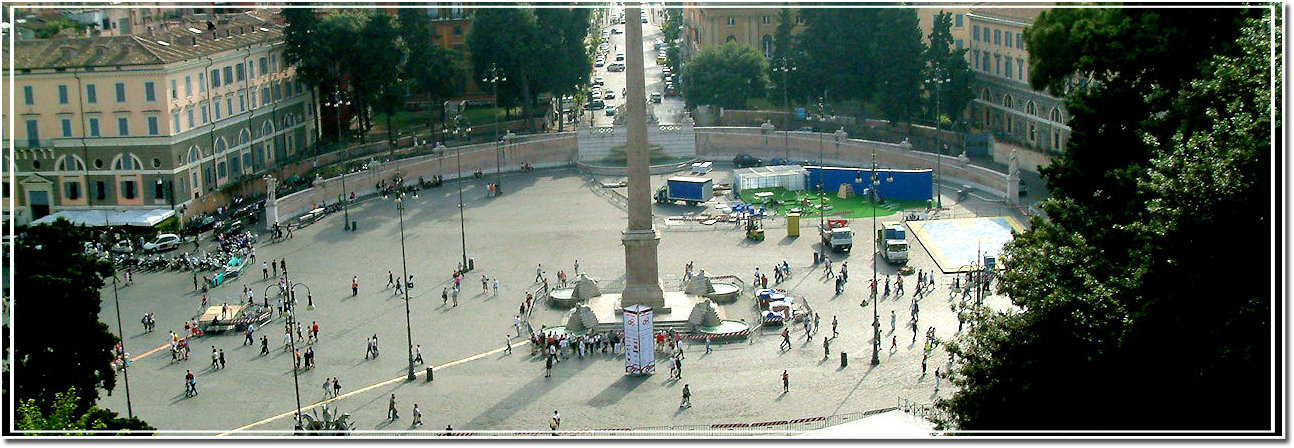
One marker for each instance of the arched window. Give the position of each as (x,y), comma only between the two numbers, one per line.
(193,156)
(1009,103)
(1055,115)
(76,164)
(1030,108)
(267,129)
(244,136)
(127,162)
(768,46)
(730,38)
(986,96)
(221,145)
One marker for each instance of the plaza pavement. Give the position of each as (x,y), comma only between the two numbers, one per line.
(551,217)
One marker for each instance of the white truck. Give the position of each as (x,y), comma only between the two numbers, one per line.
(892,242)
(837,235)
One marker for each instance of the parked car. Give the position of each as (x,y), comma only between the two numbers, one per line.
(616,67)
(597,81)
(123,247)
(163,242)
(620,57)
(595,105)
(609,96)
(660,59)
(746,160)
(600,62)
(655,97)
(805,129)
(671,90)
(611,110)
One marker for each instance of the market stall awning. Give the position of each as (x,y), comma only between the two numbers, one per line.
(142,217)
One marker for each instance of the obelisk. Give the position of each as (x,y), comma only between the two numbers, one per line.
(642,275)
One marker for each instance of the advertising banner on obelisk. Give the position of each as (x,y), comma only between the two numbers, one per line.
(640,347)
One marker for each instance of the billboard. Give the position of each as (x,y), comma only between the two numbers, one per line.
(640,346)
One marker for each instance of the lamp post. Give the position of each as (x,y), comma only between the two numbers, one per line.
(338,102)
(121,337)
(938,80)
(876,318)
(399,206)
(784,67)
(494,76)
(458,160)
(292,341)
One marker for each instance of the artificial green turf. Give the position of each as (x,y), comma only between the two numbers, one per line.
(852,207)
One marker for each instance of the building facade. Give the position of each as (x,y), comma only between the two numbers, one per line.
(708,24)
(151,120)
(1005,105)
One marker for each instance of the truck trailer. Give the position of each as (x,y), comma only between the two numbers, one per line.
(692,190)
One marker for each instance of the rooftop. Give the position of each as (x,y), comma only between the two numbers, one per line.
(177,41)
(1011,11)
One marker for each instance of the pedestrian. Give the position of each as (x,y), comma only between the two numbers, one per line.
(444,296)
(893,320)
(336,386)
(222,358)
(786,339)
(195,281)
(455,296)
(817,321)
(274,268)
(247,336)
(283,264)
(757,276)
(833,328)
(354,286)
(496,286)
(391,412)
(844,271)
(516,323)
(826,347)
(827,268)
(548,366)
(577,267)
(938,379)
(539,272)
(485,283)
(894,344)
(190,384)
(314,331)
(390,279)
(914,331)
(687,397)
(417,354)
(786,382)
(707,344)
(764,281)
(265,345)
(898,285)
(327,387)
(678,367)
(215,358)
(417,415)
(840,285)
(265,270)
(923,363)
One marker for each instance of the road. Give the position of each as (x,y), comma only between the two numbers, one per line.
(669,110)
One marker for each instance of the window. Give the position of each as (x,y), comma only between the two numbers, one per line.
(174,91)
(1055,115)
(1008,38)
(94,127)
(799,19)
(190,113)
(229,75)
(264,67)
(127,162)
(997,64)
(975,33)
(958,43)
(768,20)
(767,42)
(242,101)
(62,94)
(251,68)
(732,21)
(152,125)
(730,38)
(240,72)
(33,133)
(175,122)
(217,105)
(1008,68)
(205,112)
(123,126)
(28,95)
(91,95)
(215,78)
(188,86)
(278,92)
(66,124)
(957,20)
(274,62)
(220,169)
(458,30)
(997,37)
(229,104)
(120,88)
(221,145)
(1019,73)
(150,95)
(128,189)
(72,190)
(254,103)
(157,190)
(101,190)
(975,57)
(202,82)
(1019,41)
(265,95)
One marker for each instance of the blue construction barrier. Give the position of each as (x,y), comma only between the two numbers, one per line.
(908,185)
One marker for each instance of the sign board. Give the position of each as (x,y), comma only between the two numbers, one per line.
(640,345)
(799,113)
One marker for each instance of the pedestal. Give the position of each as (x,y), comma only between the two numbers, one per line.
(642,279)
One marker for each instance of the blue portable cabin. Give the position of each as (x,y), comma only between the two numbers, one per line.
(908,185)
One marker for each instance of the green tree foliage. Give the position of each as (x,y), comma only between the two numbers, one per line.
(1125,324)
(672,27)
(506,37)
(304,48)
(784,50)
(726,76)
(899,46)
(880,63)
(75,350)
(434,71)
(949,64)
(375,69)
(64,418)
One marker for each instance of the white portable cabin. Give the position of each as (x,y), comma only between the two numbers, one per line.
(790,177)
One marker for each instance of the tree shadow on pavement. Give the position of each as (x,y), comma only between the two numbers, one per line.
(617,390)
(524,395)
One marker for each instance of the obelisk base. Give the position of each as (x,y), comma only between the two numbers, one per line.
(642,279)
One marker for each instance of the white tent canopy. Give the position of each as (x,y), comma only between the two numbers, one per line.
(894,424)
(790,177)
(143,217)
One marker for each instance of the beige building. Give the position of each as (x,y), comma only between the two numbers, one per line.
(151,120)
(707,24)
(960,31)
(1005,105)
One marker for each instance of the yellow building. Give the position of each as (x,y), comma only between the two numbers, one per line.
(708,24)
(151,120)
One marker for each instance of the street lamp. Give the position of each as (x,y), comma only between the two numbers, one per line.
(338,102)
(939,80)
(494,76)
(458,160)
(876,318)
(121,337)
(784,67)
(408,325)
(290,307)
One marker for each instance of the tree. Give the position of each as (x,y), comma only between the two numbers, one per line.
(898,78)
(837,58)
(1109,288)
(782,48)
(672,27)
(376,67)
(567,62)
(433,70)
(727,76)
(946,63)
(77,352)
(64,416)
(505,37)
